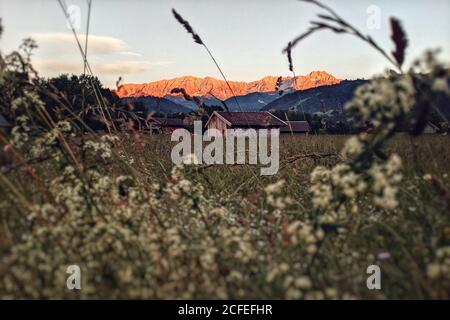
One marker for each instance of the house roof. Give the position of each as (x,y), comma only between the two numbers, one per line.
(168,122)
(4,122)
(296,126)
(251,119)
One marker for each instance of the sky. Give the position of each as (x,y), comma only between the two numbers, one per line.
(140,41)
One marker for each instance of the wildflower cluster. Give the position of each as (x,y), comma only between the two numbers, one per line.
(101,148)
(274,196)
(379,107)
(383,102)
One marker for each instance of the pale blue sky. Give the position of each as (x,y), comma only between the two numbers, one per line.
(140,40)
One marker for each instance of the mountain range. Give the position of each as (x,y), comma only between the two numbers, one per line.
(211,87)
(327,99)
(317,91)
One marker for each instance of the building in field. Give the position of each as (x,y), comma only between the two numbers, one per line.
(165,125)
(223,121)
(296,128)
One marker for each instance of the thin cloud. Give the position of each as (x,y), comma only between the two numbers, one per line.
(121,68)
(65,42)
(51,67)
(161,63)
(130,53)
(54,67)
(108,73)
(63,46)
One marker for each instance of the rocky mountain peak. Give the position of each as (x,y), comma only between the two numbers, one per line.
(207,86)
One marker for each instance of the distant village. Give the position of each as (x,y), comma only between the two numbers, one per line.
(224,120)
(219,120)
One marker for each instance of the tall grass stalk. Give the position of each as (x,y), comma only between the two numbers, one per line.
(199,41)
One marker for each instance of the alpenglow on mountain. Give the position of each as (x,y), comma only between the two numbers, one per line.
(211,87)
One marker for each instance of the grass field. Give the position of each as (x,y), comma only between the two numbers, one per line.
(144,230)
(428,154)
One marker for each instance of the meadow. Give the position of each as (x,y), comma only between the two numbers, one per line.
(299,155)
(224,231)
